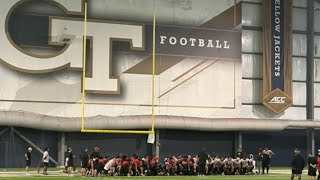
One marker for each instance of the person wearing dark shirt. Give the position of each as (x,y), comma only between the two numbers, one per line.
(84,161)
(297,164)
(203,156)
(239,153)
(265,160)
(240,156)
(318,160)
(312,167)
(70,160)
(95,158)
(259,160)
(27,157)
(266,156)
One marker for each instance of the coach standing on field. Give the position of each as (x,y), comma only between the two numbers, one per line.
(84,161)
(297,164)
(45,160)
(259,160)
(266,156)
(203,156)
(70,160)
(95,164)
(312,167)
(28,159)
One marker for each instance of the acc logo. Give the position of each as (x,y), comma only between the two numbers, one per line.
(277,100)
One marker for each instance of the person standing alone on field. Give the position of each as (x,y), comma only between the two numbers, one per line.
(318,160)
(45,160)
(297,164)
(70,160)
(312,167)
(266,156)
(203,156)
(95,164)
(259,160)
(84,161)
(28,160)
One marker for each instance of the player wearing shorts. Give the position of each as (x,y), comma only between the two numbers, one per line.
(110,166)
(297,165)
(70,160)
(312,167)
(27,156)
(95,161)
(154,165)
(191,165)
(45,160)
(209,166)
(84,161)
(135,165)
(236,169)
(228,166)
(124,166)
(118,164)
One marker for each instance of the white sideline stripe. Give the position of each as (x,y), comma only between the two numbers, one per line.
(31,172)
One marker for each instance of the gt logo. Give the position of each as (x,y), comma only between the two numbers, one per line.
(100,33)
(277,100)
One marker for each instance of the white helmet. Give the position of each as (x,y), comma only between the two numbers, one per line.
(29,149)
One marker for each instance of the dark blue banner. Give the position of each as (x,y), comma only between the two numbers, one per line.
(277,44)
(277,55)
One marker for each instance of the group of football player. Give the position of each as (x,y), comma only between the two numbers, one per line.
(121,165)
(215,165)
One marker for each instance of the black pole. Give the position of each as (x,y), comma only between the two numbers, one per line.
(310,74)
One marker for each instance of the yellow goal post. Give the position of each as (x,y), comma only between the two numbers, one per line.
(83,129)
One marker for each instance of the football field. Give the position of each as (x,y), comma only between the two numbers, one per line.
(56,175)
(255,177)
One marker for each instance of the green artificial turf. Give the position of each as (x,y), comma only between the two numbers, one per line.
(253,177)
(64,176)
(277,173)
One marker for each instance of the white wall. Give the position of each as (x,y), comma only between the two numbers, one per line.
(218,91)
(211,89)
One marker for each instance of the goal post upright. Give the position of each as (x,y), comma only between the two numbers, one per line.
(84,63)
(116,131)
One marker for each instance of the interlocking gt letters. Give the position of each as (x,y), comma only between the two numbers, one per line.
(101,33)
(170,41)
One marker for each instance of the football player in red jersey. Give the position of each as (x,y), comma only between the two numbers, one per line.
(184,165)
(124,167)
(191,165)
(135,165)
(154,165)
(101,166)
(172,165)
(117,164)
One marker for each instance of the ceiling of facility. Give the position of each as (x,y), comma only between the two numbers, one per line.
(170,12)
